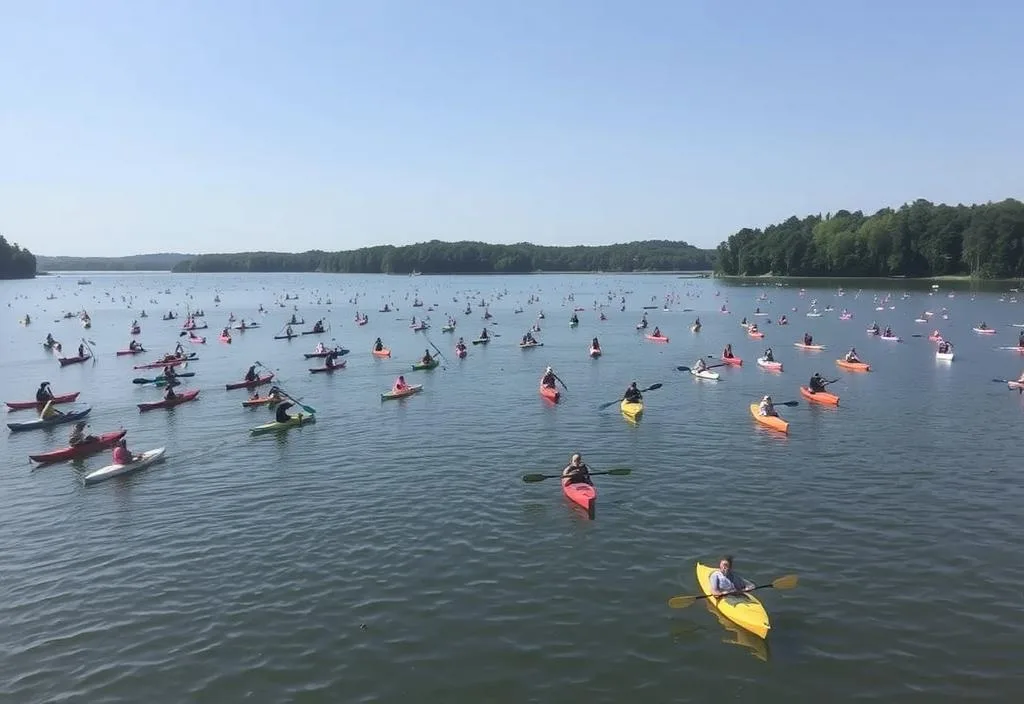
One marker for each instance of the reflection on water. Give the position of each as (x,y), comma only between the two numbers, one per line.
(740,636)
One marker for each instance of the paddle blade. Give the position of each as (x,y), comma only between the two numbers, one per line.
(682,369)
(528,478)
(681,602)
(788,581)
(140,380)
(791,404)
(608,405)
(652,387)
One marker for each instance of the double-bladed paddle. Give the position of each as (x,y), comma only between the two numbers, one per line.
(652,387)
(788,581)
(541,477)
(560,381)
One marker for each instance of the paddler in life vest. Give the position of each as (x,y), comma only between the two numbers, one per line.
(378,345)
(808,340)
(50,342)
(595,345)
(44,393)
(769,356)
(169,394)
(727,352)
(320,348)
(122,455)
(251,375)
(427,359)
(752,328)
(400,384)
(179,351)
(548,380)
(816,383)
(766,407)
(657,332)
(50,411)
(632,394)
(225,333)
(330,359)
(724,581)
(133,346)
(78,436)
(281,414)
(851,356)
(700,365)
(81,350)
(576,472)
(945,347)
(318,326)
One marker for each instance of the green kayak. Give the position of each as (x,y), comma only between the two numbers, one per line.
(422,365)
(273,426)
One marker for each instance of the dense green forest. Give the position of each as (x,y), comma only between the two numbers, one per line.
(919,239)
(437,257)
(137,262)
(15,262)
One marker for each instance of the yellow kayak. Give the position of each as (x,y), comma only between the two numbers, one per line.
(631,410)
(742,609)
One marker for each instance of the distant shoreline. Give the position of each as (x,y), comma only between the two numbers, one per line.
(107,272)
(956,278)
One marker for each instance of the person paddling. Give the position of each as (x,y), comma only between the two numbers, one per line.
(595,345)
(727,352)
(169,394)
(657,332)
(548,380)
(251,375)
(400,384)
(808,340)
(81,350)
(769,355)
(700,365)
(44,393)
(281,414)
(576,472)
(483,334)
(50,411)
(816,383)
(330,359)
(78,436)
(427,359)
(122,455)
(378,346)
(632,394)
(1020,340)
(766,407)
(725,581)
(851,356)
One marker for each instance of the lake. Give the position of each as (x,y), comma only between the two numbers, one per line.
(392,553)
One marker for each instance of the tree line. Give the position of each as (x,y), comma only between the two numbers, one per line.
(15,262)
(438,257)
(135,262)
(920,239)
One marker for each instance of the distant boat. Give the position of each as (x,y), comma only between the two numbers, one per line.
(415,273)
(84,282)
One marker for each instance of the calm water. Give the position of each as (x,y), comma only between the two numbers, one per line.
(391,552)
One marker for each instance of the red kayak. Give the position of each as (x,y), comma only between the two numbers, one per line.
(121,353)
(25,405)
(732,361)
(65,361)
(550,393)
(259,381)
(164,403)
(583,495)
(197,339)
(320,370)
(84,450)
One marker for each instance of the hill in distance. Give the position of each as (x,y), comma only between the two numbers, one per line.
(137,262)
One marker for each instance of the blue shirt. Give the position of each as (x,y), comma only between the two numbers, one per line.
(721,583)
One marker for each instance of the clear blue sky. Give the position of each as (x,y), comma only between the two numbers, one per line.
(142,126)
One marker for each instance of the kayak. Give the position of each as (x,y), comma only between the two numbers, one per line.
(273,426)
(481,341)
(195,327)
(461,352)
(78,451)
(250,326)
(197,340)
(161,379)
(802,346)
(407,391)
(944,356)
(528,345)
(695,328)
(58,419)
(732,361)
(381,353)
(631,409)
(984,331)
(65,361)
(583,495)
(261,401)
(24,405)
(550,393)
(448,328)
(286,337)
(259,381)
(770,366)
(145,460)
(594,352)
(745,610)
(225,338)
(321,370)
(853,366)
(773,422)
(160,364)
(822,397)
(757,334)
(320,355)
(422,366)
(706,374)
(181,398)
(1016,385)
(890,338)
(122,353)
(659,338)
(313,332)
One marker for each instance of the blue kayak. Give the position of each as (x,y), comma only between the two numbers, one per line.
(60,418)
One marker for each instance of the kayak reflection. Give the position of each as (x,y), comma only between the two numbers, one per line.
(740,636)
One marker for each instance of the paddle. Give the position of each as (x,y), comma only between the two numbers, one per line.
(308,409)
(560,381)
(441,354)
(541,477)
(710,366)
(652,387)
(788,581)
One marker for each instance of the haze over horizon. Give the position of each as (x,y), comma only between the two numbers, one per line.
(239,126)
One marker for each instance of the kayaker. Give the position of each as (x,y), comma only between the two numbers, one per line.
(122,455)
(225,333)
(696,323)
(44,393)
(169,394)
(983,326)
(851,356)
(782,320)
(752,328)
(944,347)
(460,343)
(400,384)
(28,320)
(169,374)
(595,345)
(1020,339)
(329,359)
(816,383)
(320,348)
(574,319)
(81,349)
(133,346)
(727,352)
(281,414)
(378,345)
(427,359)
(251,375)
(888,332)
(700,365)
(50,342)
(808,340)
(483,334)
(632,394)
(744,321)
(577,472)
(766,407)
(769,356)
(526,339)
(50,411)
(724,581)
(78,436)
(643,322)
(548,380)
(179,351)
(288,330)
(318,326)
(657,332)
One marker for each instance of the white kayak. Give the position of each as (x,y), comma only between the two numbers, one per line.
(773,366)
(944,356)
(706,374)
(113,470)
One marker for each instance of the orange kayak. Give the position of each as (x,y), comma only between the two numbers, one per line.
(773,422)
(550,393)
(382,353)
(583,495)
(853,366)
(822,397)
(657,338)
(732,361)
